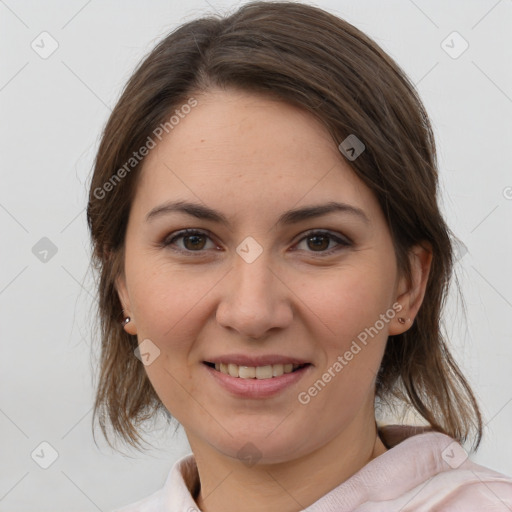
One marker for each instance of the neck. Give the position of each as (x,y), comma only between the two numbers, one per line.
(228,485)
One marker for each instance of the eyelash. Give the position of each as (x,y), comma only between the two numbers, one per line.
(171,239)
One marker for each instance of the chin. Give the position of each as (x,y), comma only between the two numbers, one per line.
(260,446)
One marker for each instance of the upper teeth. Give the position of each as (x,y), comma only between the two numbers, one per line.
(256,372)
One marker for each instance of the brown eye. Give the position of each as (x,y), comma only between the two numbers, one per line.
(189,240)
(323,242)
(318,242)
(194,242)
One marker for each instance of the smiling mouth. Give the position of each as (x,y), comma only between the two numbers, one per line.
(255,372)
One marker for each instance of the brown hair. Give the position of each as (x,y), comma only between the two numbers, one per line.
(314,60)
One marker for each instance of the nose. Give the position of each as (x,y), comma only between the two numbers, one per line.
(254,299)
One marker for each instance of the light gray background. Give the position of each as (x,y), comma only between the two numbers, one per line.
(52,114)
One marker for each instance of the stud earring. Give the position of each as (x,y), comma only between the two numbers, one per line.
(126,321)
(401,320)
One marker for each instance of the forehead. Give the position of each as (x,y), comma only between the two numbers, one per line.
(240,150)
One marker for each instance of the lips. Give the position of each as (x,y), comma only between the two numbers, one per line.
(256,377)
(256,367)
(262,372)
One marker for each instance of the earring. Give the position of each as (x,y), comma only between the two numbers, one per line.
(401,320)
(126,321)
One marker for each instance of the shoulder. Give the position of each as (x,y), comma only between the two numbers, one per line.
(437,475)
(176,494)
(465,489)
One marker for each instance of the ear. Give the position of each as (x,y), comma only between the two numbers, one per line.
(122,292)
(410,294)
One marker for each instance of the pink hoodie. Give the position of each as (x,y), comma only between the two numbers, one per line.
(426,472)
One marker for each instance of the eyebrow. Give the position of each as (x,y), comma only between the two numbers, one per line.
(288,218)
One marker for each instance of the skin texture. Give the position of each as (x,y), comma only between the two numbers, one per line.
(252,159)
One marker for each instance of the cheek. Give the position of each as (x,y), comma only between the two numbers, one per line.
(165,298)
(349,301)
(167,305)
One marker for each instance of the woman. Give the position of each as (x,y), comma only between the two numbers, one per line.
(273,263)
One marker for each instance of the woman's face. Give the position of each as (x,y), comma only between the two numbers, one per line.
(289,262)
